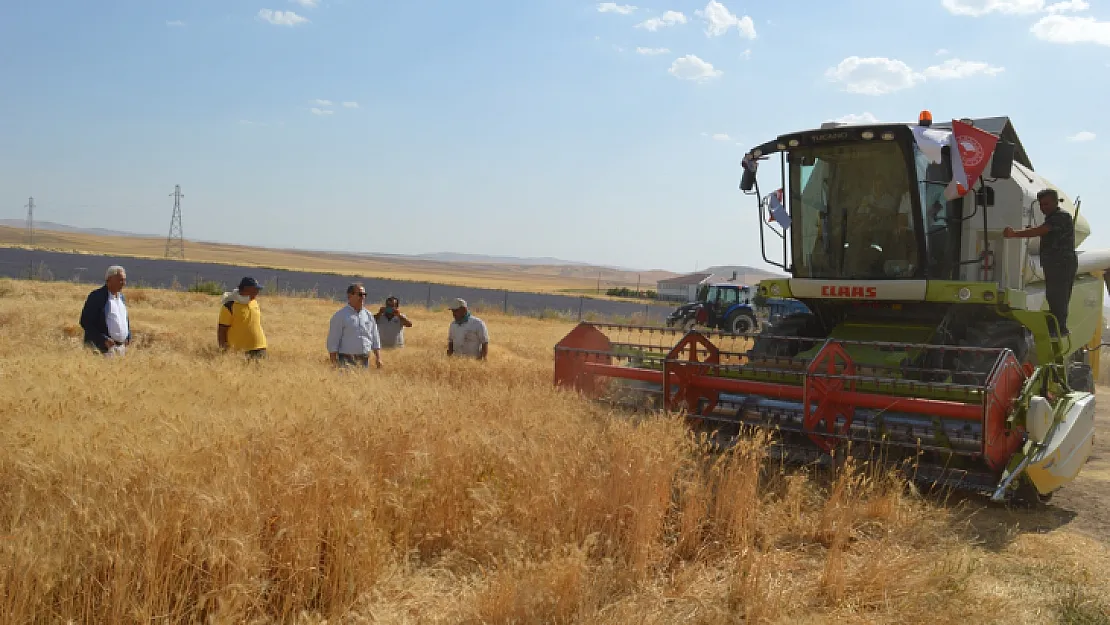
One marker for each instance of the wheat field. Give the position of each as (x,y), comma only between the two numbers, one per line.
(182,485)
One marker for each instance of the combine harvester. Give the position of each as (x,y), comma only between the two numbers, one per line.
(927,341)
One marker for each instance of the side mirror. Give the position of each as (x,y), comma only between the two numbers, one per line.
(747,181)
(946,162)
(1002,163)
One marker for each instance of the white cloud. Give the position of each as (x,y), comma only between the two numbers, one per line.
(978,8)
(880,76)
(720,136)
(955,68)
(873,75)
(350,105)
(308,4)
(175,23)
(319,111)
(322,102)
(281,18)
(1065,29)
(613,7)
(720,20)
(653,51)
(1066,6)
(746,54)
(942,52)
(1083,135)
(670,18)
(690,67)
(853,118)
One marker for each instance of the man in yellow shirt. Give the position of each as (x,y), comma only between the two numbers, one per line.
(240,323)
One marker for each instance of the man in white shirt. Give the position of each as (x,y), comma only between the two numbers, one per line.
(104,316)
(467,335)
(353,333)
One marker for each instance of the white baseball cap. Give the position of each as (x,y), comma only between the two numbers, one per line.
(459,303)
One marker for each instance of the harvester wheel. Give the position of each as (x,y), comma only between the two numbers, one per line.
(796,325)
(998,334)
(1081,378)
(1027,496)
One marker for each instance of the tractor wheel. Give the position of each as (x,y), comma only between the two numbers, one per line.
(740,323)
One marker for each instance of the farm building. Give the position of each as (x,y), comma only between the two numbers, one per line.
(684,288)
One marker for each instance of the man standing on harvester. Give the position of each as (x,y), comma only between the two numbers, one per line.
(1059,261)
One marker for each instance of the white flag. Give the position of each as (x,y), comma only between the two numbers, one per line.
(778,210)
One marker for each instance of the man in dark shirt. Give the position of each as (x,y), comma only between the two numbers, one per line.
(1058,259)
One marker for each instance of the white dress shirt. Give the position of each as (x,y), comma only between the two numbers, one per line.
(116,316)
(353,332)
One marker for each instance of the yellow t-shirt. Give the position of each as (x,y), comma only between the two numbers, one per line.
(245,325)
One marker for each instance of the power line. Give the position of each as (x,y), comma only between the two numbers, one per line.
(30,220)
(175,242)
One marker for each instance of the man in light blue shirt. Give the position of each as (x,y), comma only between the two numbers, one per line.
(353,333)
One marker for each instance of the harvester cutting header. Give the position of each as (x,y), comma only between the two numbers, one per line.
(928,335)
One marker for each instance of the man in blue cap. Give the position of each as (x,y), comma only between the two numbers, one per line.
(240,323)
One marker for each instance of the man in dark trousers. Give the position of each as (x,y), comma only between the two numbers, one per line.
(1059,261)
(104,317)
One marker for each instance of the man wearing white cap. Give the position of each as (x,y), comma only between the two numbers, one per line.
(467,335)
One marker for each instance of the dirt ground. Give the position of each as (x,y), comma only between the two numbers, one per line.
(1082,507)
(1087,500)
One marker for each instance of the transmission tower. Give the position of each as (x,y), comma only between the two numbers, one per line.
(30,221)
(175,242)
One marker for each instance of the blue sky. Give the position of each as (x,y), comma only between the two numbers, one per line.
(608,133)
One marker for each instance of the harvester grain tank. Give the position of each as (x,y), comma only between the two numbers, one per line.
(927,341)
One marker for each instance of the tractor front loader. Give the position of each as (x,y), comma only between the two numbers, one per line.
(927,341)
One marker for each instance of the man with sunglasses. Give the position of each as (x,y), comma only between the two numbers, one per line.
(353,333)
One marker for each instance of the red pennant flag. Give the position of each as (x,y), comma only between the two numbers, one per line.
(976,147)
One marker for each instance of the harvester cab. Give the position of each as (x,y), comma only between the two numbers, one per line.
(926,338)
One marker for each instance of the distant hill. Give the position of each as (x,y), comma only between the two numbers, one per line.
(55,227)
(443,257)
(454,257)
(744,273)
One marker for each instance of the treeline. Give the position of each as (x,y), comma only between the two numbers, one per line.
(627,292)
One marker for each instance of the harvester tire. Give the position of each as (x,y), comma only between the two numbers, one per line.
(740,323)
(1081,378)
(1027,496)
(798,324)
(997,334)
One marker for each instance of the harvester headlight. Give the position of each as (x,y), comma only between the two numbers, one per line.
(794,143)
(964,294)
(888,136)
(988,296)
(781,146)
(775,290)
(867,134)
